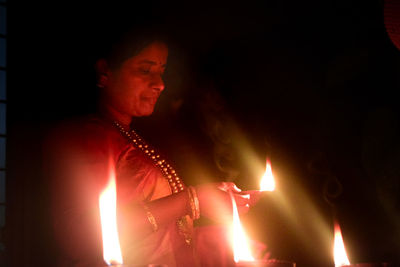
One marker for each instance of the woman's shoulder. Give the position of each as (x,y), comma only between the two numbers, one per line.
(88,126)
(87,132)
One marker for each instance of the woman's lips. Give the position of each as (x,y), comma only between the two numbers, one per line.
(150,99)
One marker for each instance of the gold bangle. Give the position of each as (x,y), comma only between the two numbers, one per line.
(191,202)
(194,203)
(151,218)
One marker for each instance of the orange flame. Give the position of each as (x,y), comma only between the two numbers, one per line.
(108,216)
(241,248)
(339,252)
(267,182)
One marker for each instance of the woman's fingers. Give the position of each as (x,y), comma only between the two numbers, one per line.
(229,186)
(242,200)
(214,203)
(242,203)
(255,195)
(243,209)
(259,249)
(216,200)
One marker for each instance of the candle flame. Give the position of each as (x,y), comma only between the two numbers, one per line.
(108,216)
(241,248)
(339,252)
(267,182)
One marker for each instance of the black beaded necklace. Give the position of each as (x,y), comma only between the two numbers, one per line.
(166,169)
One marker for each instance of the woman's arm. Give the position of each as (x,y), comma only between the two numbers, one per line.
(214,204)
(80,173)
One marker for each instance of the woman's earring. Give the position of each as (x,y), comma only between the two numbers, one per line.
(102,81)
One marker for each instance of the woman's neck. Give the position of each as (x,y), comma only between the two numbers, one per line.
(115,115)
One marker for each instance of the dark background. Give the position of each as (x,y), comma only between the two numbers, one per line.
(311,85)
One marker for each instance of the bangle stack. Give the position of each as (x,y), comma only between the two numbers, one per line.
(194,202)
(151,218)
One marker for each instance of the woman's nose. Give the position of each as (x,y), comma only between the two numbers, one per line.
(157,83)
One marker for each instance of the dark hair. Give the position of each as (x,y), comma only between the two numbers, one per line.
(123,45)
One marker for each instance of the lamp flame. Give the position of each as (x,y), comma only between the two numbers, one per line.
(267,182)
(339,252)
(241,248)
(108,216)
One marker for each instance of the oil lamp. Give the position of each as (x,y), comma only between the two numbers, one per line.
(340,255)
(241,249)
(108,216)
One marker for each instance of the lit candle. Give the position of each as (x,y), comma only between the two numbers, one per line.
(241,249)
(340,255)
(339,251)
(108,217)
(267,182)
(266,263)
(383,264)
(240,243)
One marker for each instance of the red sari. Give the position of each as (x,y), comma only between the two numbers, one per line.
(78,162)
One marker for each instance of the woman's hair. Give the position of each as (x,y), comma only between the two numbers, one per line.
(125,44)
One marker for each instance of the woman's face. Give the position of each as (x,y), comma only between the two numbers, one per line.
(133,89)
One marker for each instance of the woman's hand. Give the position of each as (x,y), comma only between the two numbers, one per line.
(216,200)
(252,195)
(255,195)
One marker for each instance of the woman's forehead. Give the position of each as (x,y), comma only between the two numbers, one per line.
(154,53)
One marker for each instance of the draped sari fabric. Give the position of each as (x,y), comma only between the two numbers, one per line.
(78,155)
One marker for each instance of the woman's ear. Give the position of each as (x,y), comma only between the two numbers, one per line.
(102,72)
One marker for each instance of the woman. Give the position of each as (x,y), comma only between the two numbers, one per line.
(155,209)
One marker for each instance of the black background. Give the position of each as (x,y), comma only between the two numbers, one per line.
(313,86)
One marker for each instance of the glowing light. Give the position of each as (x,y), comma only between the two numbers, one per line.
(241,248)
(108,216)
(267,182)
(339,252)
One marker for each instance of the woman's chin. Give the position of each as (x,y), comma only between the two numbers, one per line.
(144,112)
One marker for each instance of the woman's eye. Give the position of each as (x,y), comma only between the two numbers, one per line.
(145,71)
